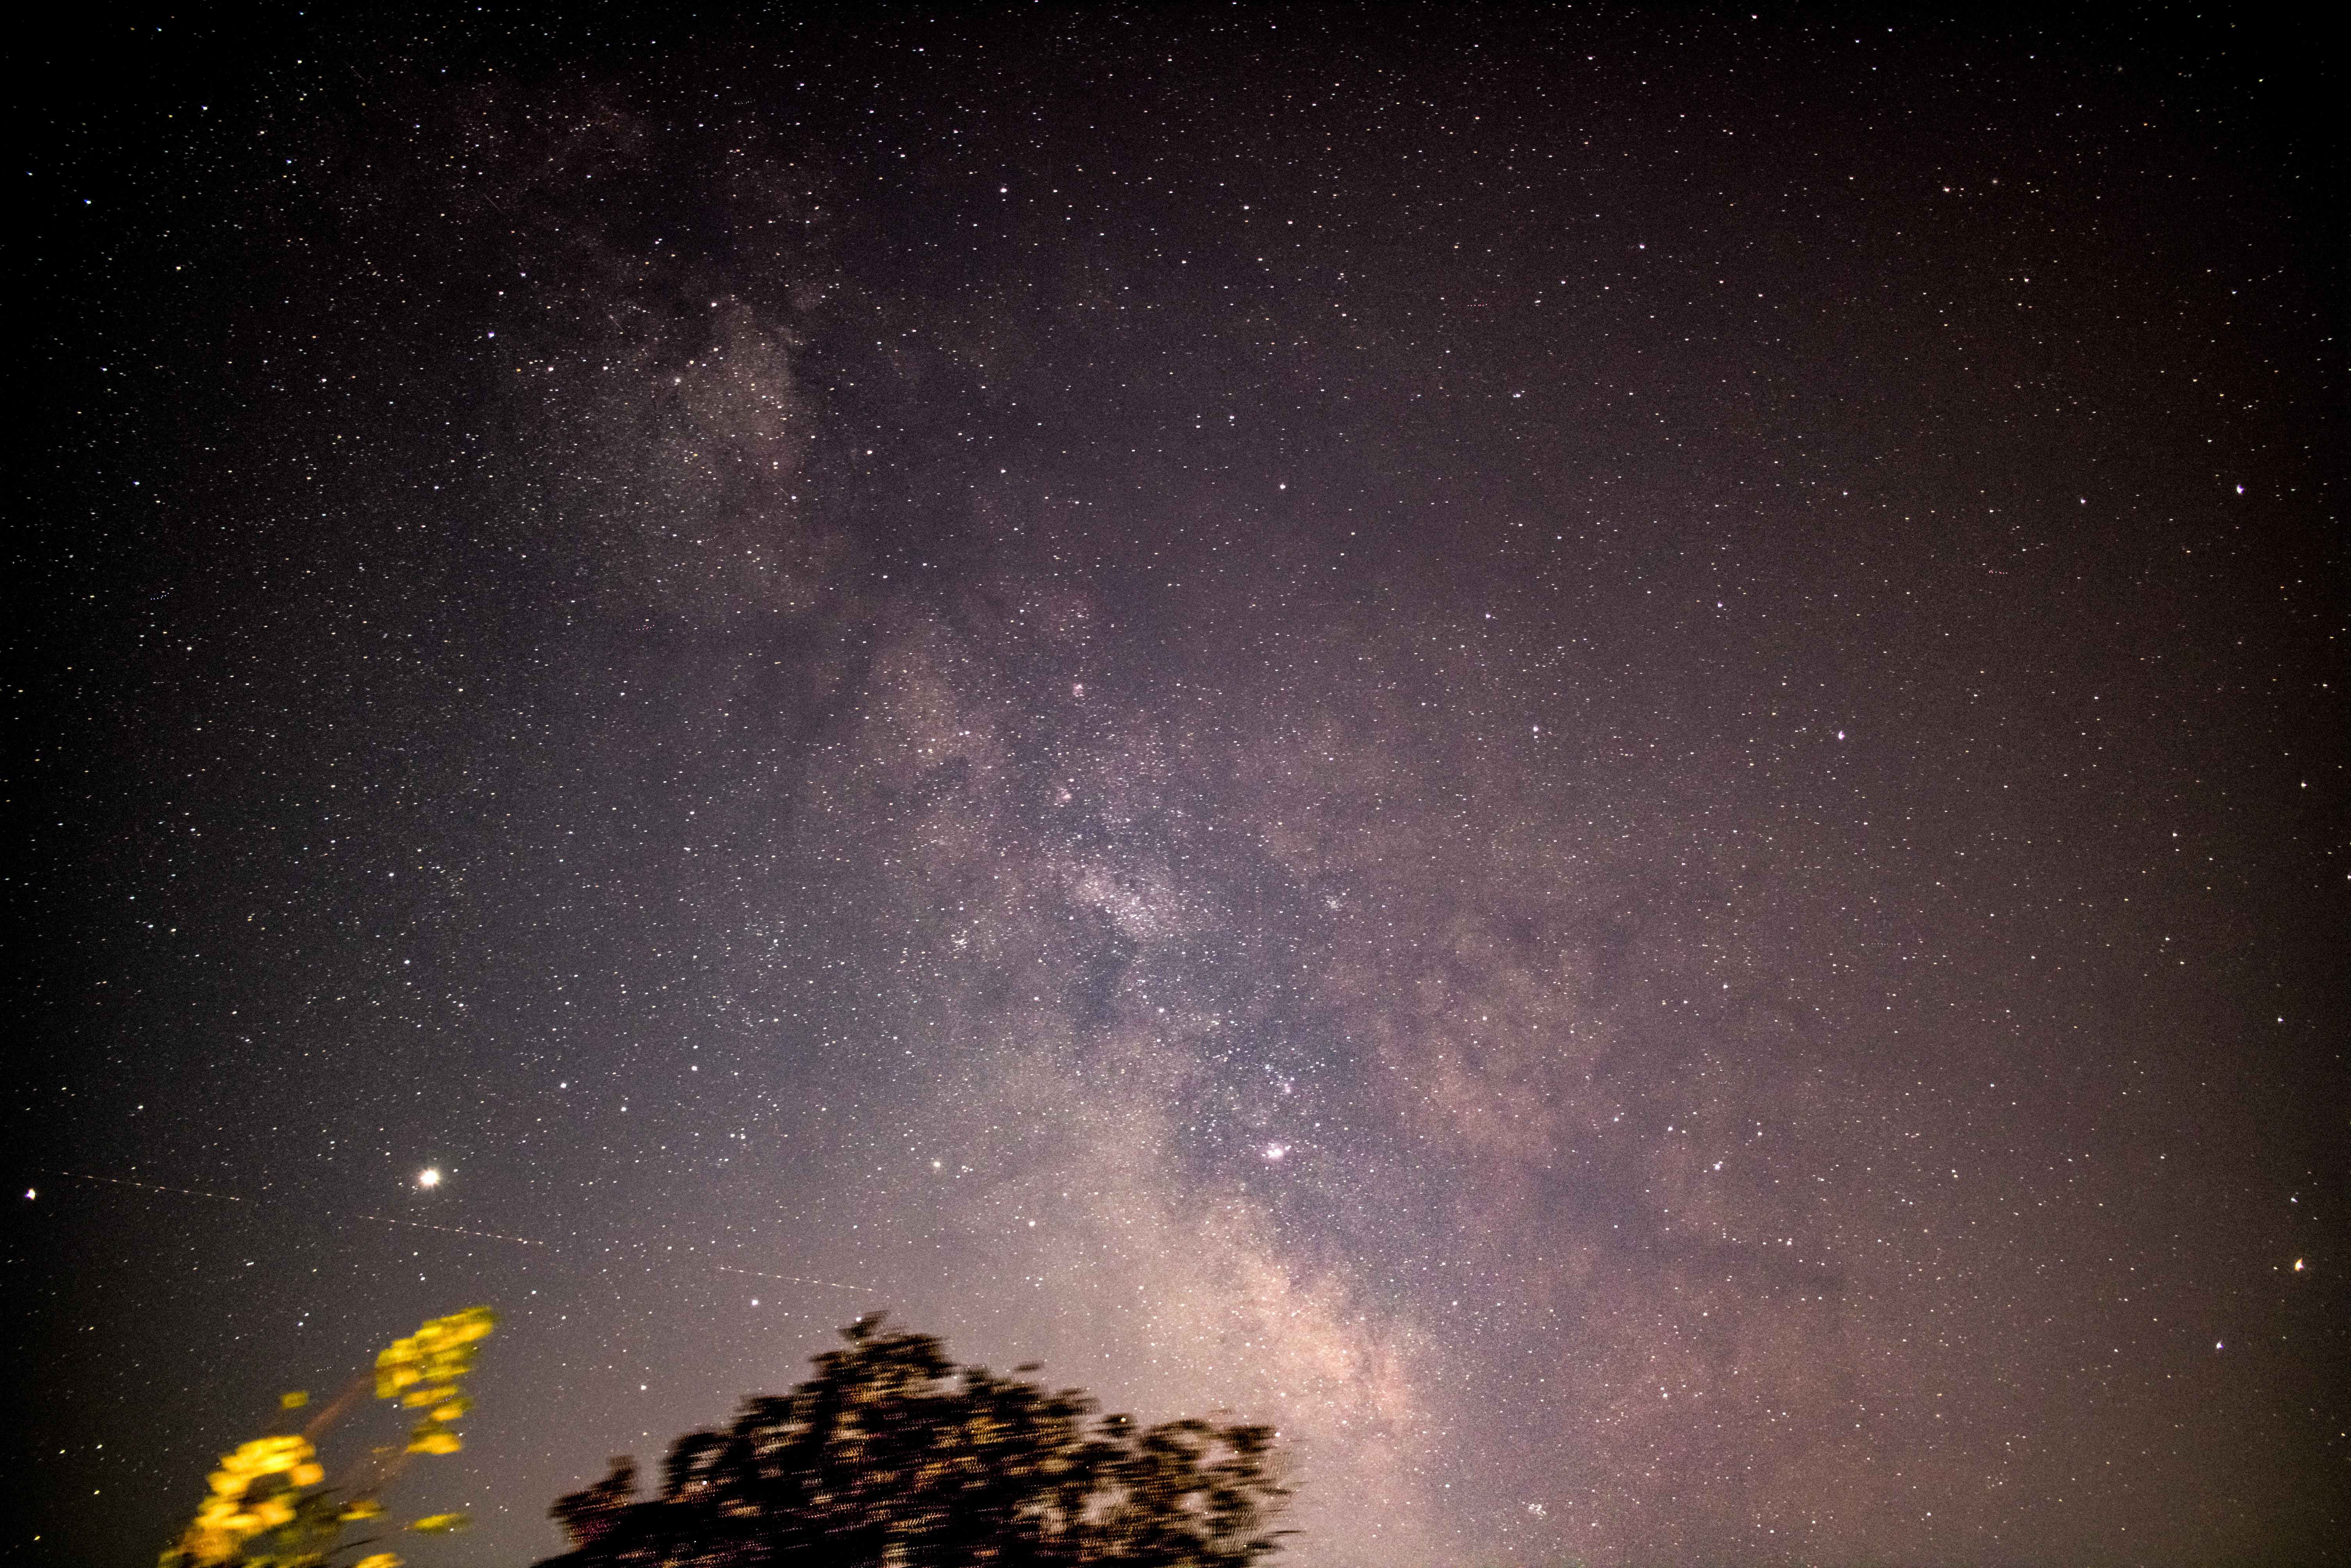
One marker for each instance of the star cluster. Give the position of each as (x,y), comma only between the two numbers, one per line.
(1600,759)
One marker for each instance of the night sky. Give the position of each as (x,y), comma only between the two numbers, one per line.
(1600,755)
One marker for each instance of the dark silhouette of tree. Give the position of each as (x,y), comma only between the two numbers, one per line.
(892,1457)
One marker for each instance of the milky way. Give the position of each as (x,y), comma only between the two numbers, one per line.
(1597,760)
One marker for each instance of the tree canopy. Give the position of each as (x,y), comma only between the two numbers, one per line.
(893,1456)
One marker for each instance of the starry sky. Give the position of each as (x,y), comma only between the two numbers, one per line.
(1598,754)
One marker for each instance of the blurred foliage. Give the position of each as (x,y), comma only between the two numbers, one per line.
(891,1456)
(271,1505)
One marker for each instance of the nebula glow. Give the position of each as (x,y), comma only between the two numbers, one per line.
(1599,759)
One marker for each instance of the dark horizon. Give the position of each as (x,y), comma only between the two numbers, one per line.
(1598,756)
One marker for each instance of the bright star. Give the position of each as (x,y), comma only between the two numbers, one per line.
(428,1179)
